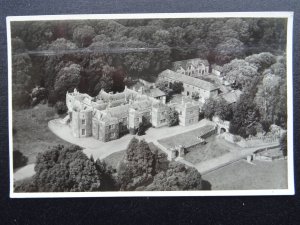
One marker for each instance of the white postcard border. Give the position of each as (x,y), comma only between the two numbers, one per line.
(289,191)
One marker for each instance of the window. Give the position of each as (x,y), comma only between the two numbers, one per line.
(83,121)
(111,126)
(83,132)
(162,121)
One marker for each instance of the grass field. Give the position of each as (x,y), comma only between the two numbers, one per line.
(245,176)
(214,147)
(31,133)
(113,159)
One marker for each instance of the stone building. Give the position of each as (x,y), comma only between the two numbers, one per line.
(188,113)
(191,67)
(216,69)
(160,114)
(191,85)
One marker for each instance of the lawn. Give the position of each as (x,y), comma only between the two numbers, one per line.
(31,132)
(245,176)
(114,158)
(214,147)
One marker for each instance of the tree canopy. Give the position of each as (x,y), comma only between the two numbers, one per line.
(138,48)
(62,169)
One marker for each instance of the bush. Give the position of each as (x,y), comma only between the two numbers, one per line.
(266,125)
(62,169)
(19,159)
(61,108)
(143,126)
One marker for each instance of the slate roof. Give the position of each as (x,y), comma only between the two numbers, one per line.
(189,80)
(232,97)
(186,63)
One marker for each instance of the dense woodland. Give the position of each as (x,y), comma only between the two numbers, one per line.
(95,54)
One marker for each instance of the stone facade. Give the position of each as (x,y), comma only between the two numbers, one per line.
(159,115)
(191,85)
(188,113)
(192,67)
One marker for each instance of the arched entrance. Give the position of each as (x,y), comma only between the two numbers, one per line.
(222,130)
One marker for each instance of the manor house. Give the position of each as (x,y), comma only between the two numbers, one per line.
(108,116)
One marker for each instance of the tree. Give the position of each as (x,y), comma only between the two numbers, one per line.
(223,110)
(19,159)
(228,50)
(67,79)
(83,35)
(177,87)
(245,116)
(176,177)
(240,72)
(208,108)
(61,107)
(62,169)
(283,144)
(262,60)
(21,74)
(138,166)
(172,117)
(143,126)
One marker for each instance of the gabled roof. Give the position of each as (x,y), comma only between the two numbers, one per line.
(189,80)
(232,97)
(186,63)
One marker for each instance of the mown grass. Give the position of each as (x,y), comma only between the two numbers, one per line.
(212,149)
(31,132)
(245,176)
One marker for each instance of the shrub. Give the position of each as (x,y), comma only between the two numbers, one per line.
(19,159)
(143,126)
(61,108)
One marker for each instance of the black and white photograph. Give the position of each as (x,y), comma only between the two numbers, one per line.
(191,104)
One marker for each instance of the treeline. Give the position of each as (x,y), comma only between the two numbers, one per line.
(143,168)
(95,54)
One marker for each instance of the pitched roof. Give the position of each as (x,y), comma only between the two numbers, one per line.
(154,92)
(110,97)
(189,80)
(141,105)
(185,63)
(118,111)
(217,67)
(232,97)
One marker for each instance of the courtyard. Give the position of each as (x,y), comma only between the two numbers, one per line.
(101,149)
